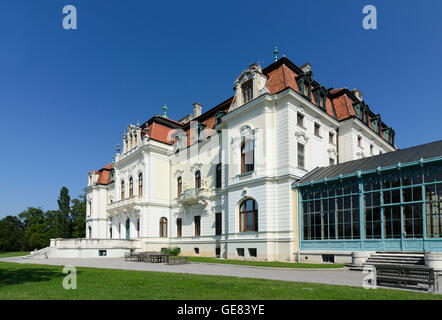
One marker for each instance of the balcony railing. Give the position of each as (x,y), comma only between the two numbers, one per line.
(194,195)
(124,202)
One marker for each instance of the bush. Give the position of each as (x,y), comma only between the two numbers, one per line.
(175,251)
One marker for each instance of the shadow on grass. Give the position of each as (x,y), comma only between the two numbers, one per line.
(14,276)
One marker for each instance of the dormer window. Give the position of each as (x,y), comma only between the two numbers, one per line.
(199,132)
(320,95)
(218,115)
(304,82)
(247,91)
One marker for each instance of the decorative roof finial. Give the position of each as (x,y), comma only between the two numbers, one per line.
(275,53)
(165,111)
(118,148)
(138,123)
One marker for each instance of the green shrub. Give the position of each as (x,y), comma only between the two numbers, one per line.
(175,251)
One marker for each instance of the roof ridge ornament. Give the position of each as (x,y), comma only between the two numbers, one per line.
(275,54)
(165,111)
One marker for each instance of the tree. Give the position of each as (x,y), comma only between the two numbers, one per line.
(63,224)
(11,234)
(35,223)
(78,216)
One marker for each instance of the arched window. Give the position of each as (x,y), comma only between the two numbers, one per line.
(179,187)
(218,175)
(122,189)
(131,187)
(163,227)
(198,179)
(90,232)
(248,216)
(247,156)
(110,232)
(140,184)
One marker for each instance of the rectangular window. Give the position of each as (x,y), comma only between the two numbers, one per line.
(179,227)
(300,120)
(240,252)
(433,203)
(197,226)
(247,91)
(331,138)
(301,156)
(317,130)
(331,161)
(218,223)
(252,252)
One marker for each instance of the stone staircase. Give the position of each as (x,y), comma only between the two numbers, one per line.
(391,258)
(38,254)
(395,258)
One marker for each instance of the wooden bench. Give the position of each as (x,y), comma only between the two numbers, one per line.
(176,260)
(407,276)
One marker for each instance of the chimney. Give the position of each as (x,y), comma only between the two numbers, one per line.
(306,67)
(357,93)
(197,109)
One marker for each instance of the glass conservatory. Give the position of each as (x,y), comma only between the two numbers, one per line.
(396,208)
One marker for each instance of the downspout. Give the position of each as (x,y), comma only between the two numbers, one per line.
(169,226)
(300,226)
(337,145)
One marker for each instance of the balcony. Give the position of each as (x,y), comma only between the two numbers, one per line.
(193,196)
(128,204)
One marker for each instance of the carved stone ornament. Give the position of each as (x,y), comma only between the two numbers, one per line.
(178,173)
(332,152)
(301,137)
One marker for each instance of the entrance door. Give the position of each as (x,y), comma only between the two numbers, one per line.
(127,228)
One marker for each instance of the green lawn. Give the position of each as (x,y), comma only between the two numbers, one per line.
(28,281)
(13,254)
(273,264)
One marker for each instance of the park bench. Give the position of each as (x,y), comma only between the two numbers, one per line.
(176,260)
(407,276)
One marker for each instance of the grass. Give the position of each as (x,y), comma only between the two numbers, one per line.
(273,264)
(13,254)
(29,281)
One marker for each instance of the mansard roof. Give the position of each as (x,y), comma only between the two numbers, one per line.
(426,151)
(282,74)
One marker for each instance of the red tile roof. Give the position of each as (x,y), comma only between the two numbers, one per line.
(104,174)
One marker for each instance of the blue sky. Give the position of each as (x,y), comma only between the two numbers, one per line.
(67,95)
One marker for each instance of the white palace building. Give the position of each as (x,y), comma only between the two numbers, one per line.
(222,182)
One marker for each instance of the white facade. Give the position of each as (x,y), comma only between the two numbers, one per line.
(271,120)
